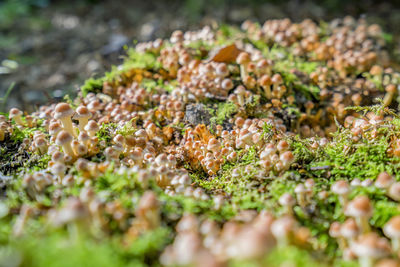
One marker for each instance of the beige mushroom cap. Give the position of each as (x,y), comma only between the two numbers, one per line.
(63,110)
(360,206)
(14,112)
(371,245)
(349,229)
(82,112)
(63,137)
(92,126)
(384,180)
(341,187)
(392,227)
(287,200)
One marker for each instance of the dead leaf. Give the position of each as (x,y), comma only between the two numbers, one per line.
(225,54)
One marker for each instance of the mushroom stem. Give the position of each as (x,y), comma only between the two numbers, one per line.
(18,120)
(243,71)
(75,231)
(362,222)
(343,200)
(267,91)
(82,123)
(68,149)
(241,100)
(387,100)
(395,244)
(366,262)
(67,125)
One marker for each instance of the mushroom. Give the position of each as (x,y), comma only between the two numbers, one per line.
(342,189)
(240,91)
(243,60)
(64,112)
(394,191)
(265,82)
(391,90)
(287,201)
(350,230)
(360,209)
(276,81)
(392,230)
(384,181)
(16,115)
(64,139)
(335,232)
(148,209)
(286,158)
(82,115)
(301,192)
(369,248)
(92,128)
(74,214)
(41,145)
(282,229)
(58,169)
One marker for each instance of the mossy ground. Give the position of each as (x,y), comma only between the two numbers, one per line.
(342,158)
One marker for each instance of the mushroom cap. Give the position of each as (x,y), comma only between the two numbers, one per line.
(148,201)
(83,136)
(277,78)
(63,137)
(63,110)
(40,142)
(57,156)
(58,168)
(54,128)
(300,188)
(392,227)
(388,263)
(394,191)
(371,245)
(283,226)
(349,229)
(282,145)
(82,112)
(14,112)
(161,159)
(287,200)
(334,230)
(73,210)
(240,90)
(265,80)
(391,88)
(213,144)
(243,58)
(384,180)
(287,157)
(360,206)
(341,187)
(92,126)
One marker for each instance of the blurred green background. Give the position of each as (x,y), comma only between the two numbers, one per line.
(48,48)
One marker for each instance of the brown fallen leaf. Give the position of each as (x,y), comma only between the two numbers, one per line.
(224,54)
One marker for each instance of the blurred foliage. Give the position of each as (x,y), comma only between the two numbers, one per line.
(10,10)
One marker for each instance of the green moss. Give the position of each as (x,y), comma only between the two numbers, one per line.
(133,60)
(127,129)
(92,85)
(106,132)
(224,111)
(153,86)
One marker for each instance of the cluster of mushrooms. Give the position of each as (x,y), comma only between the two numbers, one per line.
(162,135)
